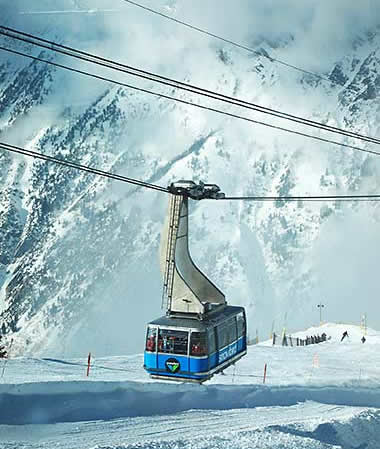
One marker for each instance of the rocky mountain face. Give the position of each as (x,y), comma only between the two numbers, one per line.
(79,264)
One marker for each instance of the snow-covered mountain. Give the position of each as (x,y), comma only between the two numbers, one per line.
(79,264)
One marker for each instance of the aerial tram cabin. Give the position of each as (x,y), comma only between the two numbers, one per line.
(200,335)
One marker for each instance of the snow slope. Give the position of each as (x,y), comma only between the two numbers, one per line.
(334,403)
(303,426)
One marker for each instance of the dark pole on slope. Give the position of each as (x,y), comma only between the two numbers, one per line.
(6,360)
(320,306)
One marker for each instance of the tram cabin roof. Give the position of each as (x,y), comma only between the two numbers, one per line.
(195,324)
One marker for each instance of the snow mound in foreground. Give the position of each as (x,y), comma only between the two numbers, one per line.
(50,402)
(358,432)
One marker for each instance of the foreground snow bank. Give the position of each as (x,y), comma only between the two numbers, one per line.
(50,402)
(360,431)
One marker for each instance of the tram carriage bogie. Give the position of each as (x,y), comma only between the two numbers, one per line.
(192,349)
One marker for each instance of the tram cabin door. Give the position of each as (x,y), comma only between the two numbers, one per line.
(198,352)
(151,347)
(212,347)
(173,344)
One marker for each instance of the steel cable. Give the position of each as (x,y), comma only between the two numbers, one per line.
(91,170)
(134,71)
(69,164)
(189,103)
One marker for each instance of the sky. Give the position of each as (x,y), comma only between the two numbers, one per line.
(316,31)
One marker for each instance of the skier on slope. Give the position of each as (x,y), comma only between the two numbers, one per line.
(3,352)
(345,334)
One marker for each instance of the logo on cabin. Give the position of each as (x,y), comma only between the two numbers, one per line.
(227,353)
(172,365)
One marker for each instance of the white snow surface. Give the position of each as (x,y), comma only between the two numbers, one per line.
(320,396)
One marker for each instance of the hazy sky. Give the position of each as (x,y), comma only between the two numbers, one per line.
(318,30)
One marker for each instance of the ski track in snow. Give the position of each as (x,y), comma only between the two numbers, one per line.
(308,425)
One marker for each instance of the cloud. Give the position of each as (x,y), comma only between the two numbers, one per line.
(330,32)
(313,35)
(317,32)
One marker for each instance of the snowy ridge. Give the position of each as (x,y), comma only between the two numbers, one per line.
(334,332)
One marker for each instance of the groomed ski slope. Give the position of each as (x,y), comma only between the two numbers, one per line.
(319,396)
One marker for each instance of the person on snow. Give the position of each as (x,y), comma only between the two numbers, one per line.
(345,334)
(3,352)
(363,339)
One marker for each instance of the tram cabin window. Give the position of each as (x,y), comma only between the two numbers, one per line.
(198,345)
(240,324)
(172,341)
(222,332)
(211,340)
(151,339)
(232,330)
(227,333)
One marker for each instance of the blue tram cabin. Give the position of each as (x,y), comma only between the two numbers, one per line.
(181,348)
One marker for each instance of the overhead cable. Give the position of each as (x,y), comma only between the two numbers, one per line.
(70,11)
(134,71)
(189,103)
(76,166)
(303,198)
(106,174)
